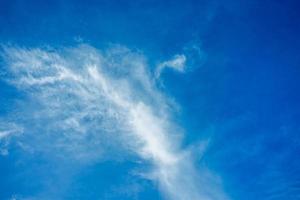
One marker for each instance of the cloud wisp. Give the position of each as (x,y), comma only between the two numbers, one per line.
(176,63)
(7,131)
(84,101)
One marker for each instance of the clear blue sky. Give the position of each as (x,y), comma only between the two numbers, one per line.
(150,99)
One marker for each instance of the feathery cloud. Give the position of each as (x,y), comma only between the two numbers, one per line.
(85,102)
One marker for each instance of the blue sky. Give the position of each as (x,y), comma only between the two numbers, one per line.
(149,99)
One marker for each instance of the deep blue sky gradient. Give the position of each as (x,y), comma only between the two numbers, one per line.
(244,97)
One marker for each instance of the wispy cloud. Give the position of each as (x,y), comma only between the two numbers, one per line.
(7,131)
(176,63)
(81,98)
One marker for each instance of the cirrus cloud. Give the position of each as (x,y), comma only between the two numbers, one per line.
(86,103)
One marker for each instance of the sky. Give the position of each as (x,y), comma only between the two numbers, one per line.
(149,100)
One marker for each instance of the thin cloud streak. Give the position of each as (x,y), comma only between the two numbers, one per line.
(177,63)
(87,97)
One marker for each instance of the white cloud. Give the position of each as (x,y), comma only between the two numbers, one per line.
(176,63)
(83,101)
(7,131)
(4,134)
